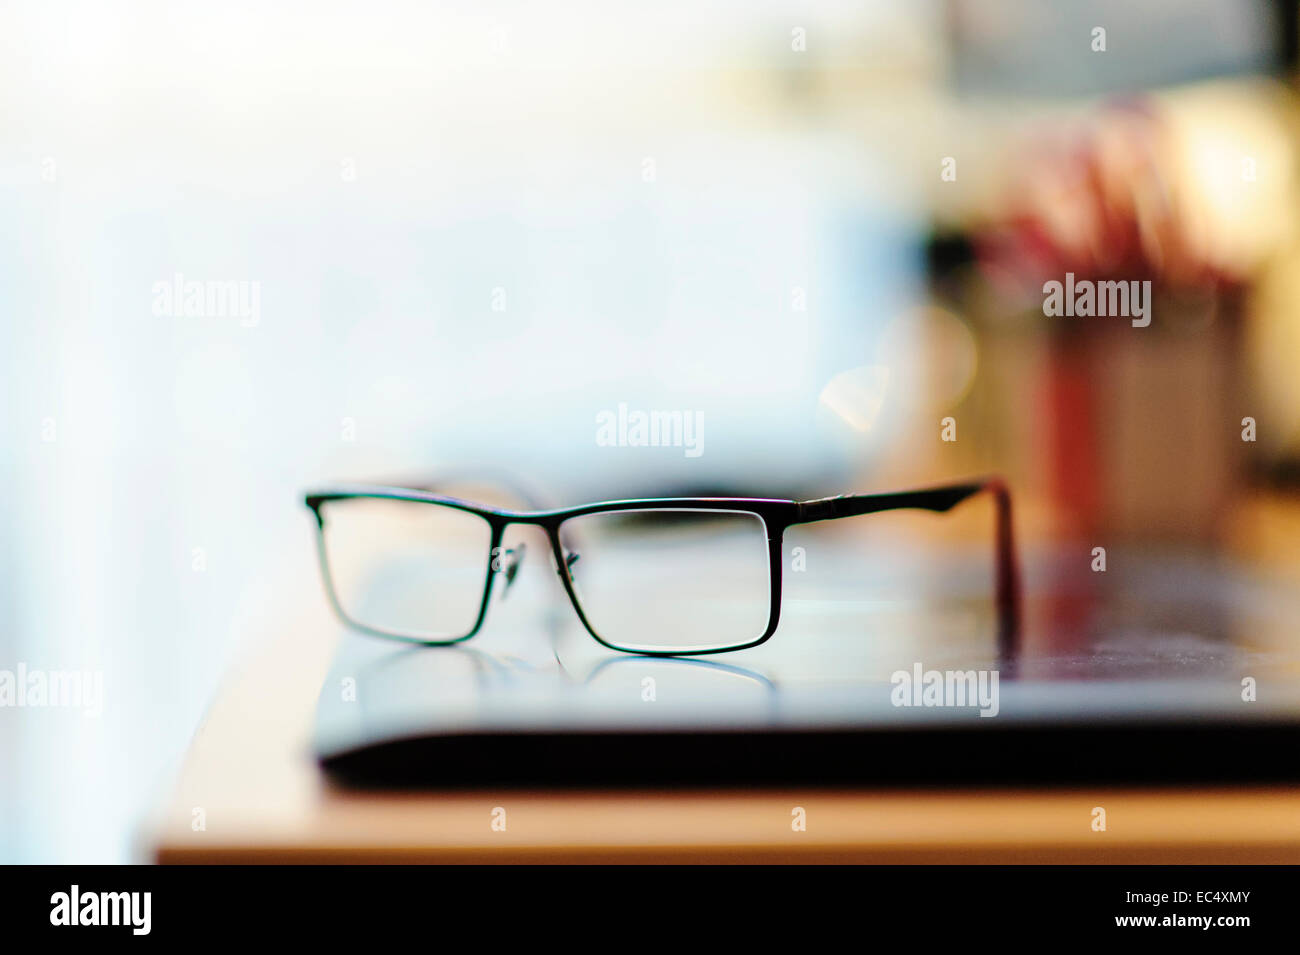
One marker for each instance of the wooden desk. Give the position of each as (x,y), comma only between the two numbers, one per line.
(264,800)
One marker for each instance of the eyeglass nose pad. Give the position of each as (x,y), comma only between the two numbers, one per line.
(570,561)
(514,557)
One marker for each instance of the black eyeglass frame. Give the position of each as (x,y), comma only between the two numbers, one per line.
(777,515)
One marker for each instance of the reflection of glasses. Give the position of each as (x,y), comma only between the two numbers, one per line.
(661,576)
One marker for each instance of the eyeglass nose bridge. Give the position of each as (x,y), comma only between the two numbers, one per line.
(506,561)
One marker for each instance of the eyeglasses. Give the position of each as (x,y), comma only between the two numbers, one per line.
(659,576)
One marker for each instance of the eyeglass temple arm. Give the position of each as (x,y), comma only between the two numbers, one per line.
(944,499)
(444,481)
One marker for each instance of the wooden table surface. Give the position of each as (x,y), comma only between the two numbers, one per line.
(250,780)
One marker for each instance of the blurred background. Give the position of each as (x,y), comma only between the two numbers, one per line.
(463,231)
